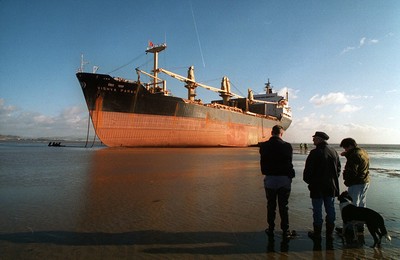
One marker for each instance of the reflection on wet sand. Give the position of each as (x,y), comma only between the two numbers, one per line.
(176,203)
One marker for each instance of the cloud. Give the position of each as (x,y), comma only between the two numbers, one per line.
(42,119)
(6,110)
(292,92)
(338,98)
(348,108)
(359,97)
(331,98)
(347,49)
(389,35)
(303,128)
(363,41)
(71,122)
(374,41)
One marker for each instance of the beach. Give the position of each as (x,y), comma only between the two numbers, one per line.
(156,203)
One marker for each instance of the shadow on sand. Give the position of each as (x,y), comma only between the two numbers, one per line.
(162,242)
(206,243)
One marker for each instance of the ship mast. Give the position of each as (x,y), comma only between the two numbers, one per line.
(155,49)
(191,84)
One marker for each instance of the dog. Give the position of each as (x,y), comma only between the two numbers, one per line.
(373,220)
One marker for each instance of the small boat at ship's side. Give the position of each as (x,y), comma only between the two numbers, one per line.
(136,114)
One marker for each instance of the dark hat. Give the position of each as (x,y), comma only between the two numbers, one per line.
(321,135)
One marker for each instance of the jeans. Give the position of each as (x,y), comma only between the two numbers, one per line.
(358,193)
(282,194)
(329,204)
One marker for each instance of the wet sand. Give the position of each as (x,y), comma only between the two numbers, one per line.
(168,203)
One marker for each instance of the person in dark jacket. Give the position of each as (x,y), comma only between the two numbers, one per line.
(356,171)
(276,164)
(321,173)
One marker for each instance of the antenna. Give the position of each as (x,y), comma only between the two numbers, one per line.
(268,87)
(83,62)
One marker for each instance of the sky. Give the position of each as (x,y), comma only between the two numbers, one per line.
(338,60)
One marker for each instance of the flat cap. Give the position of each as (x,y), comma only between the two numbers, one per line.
(321,135)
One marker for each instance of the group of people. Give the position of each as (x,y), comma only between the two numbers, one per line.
(321,173)
(305,146)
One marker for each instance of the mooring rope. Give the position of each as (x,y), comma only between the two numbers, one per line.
(87,133)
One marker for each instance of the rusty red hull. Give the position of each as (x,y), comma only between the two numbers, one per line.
(133,130)
(126,114)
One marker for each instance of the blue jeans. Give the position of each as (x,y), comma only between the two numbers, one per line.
(358,193)
(329,204)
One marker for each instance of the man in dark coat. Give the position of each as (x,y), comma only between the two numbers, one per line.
(276,164)
(321,173)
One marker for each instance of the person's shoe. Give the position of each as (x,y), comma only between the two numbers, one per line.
(339,230)
(329,230)
(289,234)
(286,234)
(329,243)
(269,232)
(316,234)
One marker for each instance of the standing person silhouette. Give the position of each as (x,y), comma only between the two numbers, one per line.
(276,164)
(321,173)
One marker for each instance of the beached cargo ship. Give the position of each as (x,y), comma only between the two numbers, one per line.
(137,114)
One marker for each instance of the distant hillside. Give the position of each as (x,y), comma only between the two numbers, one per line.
(40,139)
(9,137)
